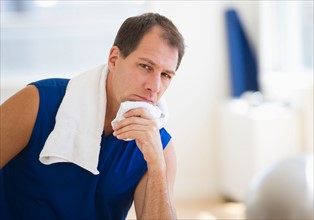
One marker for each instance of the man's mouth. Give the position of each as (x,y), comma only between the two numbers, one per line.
(145,99)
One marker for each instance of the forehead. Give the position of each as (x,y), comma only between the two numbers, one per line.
(154,47)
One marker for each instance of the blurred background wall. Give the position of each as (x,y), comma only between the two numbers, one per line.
(41,39)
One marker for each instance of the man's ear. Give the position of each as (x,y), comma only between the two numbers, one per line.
(113,56)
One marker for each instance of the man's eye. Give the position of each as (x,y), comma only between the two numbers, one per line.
(166,75)
(144,66)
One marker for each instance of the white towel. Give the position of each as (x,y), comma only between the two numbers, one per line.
(79,124)
(80,119)
(158,112)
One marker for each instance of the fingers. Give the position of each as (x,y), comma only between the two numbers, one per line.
(135,116)
(136,123)
(138,112)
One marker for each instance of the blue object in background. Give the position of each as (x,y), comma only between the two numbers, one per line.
(243,65)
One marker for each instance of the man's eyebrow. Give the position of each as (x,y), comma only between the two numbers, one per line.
(154,64)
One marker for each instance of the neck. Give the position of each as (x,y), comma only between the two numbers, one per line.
(111,107)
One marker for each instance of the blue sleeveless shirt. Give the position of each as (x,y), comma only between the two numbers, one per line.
(32,190)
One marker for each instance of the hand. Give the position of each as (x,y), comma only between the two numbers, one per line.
(139,125)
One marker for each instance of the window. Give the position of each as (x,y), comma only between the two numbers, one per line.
(59,37)
(286,42)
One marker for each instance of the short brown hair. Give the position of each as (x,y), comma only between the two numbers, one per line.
(134,28)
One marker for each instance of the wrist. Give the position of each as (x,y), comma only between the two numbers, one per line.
(157,167)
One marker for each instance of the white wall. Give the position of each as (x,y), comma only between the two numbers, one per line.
(200,86)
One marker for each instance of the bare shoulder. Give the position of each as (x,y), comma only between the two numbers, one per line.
(29,92)
(18,116)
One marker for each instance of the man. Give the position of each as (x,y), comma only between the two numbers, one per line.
(142,62)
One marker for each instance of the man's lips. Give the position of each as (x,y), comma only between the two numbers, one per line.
(144,99)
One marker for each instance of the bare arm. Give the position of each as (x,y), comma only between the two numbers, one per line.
(153,197)
(18,116)
(154,194)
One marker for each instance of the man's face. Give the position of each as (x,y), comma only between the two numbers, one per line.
(146,73)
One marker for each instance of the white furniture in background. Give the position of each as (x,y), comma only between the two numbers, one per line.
(253,136)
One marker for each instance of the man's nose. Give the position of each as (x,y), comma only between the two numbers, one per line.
(153,83)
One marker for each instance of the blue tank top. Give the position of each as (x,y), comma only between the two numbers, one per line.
(32,190)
